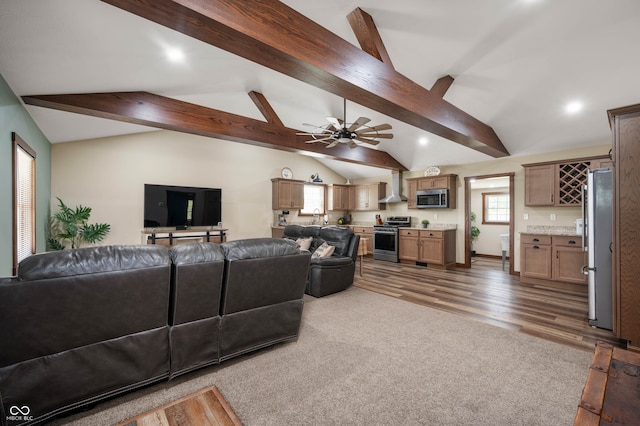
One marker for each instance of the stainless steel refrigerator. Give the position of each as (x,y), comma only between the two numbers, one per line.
(598,242)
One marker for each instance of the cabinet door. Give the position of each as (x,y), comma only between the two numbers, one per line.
(441,182)
(284,195)
(362,197)
(351,197)
(412,186)
(337,197)
(568,265)
(297,195)
(539,184)
(408,248)
(431,250)
(535,261)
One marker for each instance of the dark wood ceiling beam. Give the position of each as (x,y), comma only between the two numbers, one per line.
(441,85)
(368,36)
(265,108)
(165,113)
(272,34)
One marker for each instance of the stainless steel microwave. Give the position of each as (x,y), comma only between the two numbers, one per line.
(432,199)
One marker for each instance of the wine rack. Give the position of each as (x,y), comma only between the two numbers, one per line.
(571,178)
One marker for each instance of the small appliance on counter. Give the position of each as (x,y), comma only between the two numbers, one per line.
(282,218)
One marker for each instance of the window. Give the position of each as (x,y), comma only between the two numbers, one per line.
(24,200)
(314,196)
(495,208)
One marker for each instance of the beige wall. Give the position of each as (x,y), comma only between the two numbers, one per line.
(109,174)
(538,216)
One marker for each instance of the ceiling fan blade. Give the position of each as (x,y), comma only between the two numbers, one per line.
(322,133)
(377,135)
(335,122)
(332,144)
(352,144)
(380,127)
(359,122)
(369,141)
(319,140)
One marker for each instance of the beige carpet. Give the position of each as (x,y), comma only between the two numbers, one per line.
(367,359)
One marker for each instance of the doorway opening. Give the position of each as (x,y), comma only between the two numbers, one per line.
(503,184)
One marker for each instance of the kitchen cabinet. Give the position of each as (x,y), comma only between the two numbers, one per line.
(341,197)
(433,247)
(367,196)
(287,194)
(552,260)
(568,260)
(558,183)
(365,232)
(625,127)
(449,182)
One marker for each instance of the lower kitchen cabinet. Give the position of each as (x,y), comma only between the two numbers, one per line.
(552,260)
(436,247)
(365,232)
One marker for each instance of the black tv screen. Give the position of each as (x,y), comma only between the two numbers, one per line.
(181,206)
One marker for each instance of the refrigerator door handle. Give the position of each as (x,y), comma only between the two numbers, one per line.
(584,214)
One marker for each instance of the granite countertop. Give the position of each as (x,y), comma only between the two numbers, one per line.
(567,231)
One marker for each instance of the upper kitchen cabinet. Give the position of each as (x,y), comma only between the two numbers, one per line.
(341,197)
(367,196)
(558,183)
(287,194)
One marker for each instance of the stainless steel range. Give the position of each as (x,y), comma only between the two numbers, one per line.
(385,238)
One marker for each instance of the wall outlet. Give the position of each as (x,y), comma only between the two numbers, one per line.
(552,216)
(525,216)
(435,216)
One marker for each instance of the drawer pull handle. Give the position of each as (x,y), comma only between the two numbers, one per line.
(536,247)
(535,240)
(571,242)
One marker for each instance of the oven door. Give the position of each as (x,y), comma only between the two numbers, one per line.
(385,245)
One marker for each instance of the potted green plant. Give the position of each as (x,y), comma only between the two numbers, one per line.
(425,223)
(475,231)
(70,227)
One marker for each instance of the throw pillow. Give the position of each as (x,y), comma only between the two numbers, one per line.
(304,243)
(325,250)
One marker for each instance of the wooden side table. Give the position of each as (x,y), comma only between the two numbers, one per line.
(362,250)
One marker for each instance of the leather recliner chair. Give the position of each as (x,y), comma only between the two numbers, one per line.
(328,275)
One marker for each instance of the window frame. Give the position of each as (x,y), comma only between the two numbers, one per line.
(18,143)
(484,208)
(324,196)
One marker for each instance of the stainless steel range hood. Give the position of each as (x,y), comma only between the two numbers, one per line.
(396,189)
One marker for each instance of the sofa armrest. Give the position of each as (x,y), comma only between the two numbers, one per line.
(331,261)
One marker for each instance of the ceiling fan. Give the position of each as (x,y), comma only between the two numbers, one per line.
(337,131)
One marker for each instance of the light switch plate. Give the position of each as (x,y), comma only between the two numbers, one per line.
(526,216)
(552,216)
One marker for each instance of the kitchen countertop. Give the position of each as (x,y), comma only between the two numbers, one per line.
(566,231)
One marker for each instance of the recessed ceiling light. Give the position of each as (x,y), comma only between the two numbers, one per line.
(423,141)
(175,55)
(573,107)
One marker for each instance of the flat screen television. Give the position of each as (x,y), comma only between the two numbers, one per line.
(181,206)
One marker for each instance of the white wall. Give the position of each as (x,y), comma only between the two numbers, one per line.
(109,174)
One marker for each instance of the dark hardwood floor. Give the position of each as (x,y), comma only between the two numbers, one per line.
(486,293)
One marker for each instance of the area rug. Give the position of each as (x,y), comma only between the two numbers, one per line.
(363,358)
(204,408)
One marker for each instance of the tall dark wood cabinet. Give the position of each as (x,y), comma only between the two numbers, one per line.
(625,125)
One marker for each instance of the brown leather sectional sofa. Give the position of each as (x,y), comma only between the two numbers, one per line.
(80,326)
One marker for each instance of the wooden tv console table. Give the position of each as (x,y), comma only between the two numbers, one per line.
(171,236)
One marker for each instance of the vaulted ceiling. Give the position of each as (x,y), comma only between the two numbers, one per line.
(515,65)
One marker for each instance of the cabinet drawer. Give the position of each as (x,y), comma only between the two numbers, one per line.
(362,230)
(431,234)
(409,233)
(569,241)
(535,239)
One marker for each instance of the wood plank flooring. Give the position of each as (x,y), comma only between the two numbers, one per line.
(486,293)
